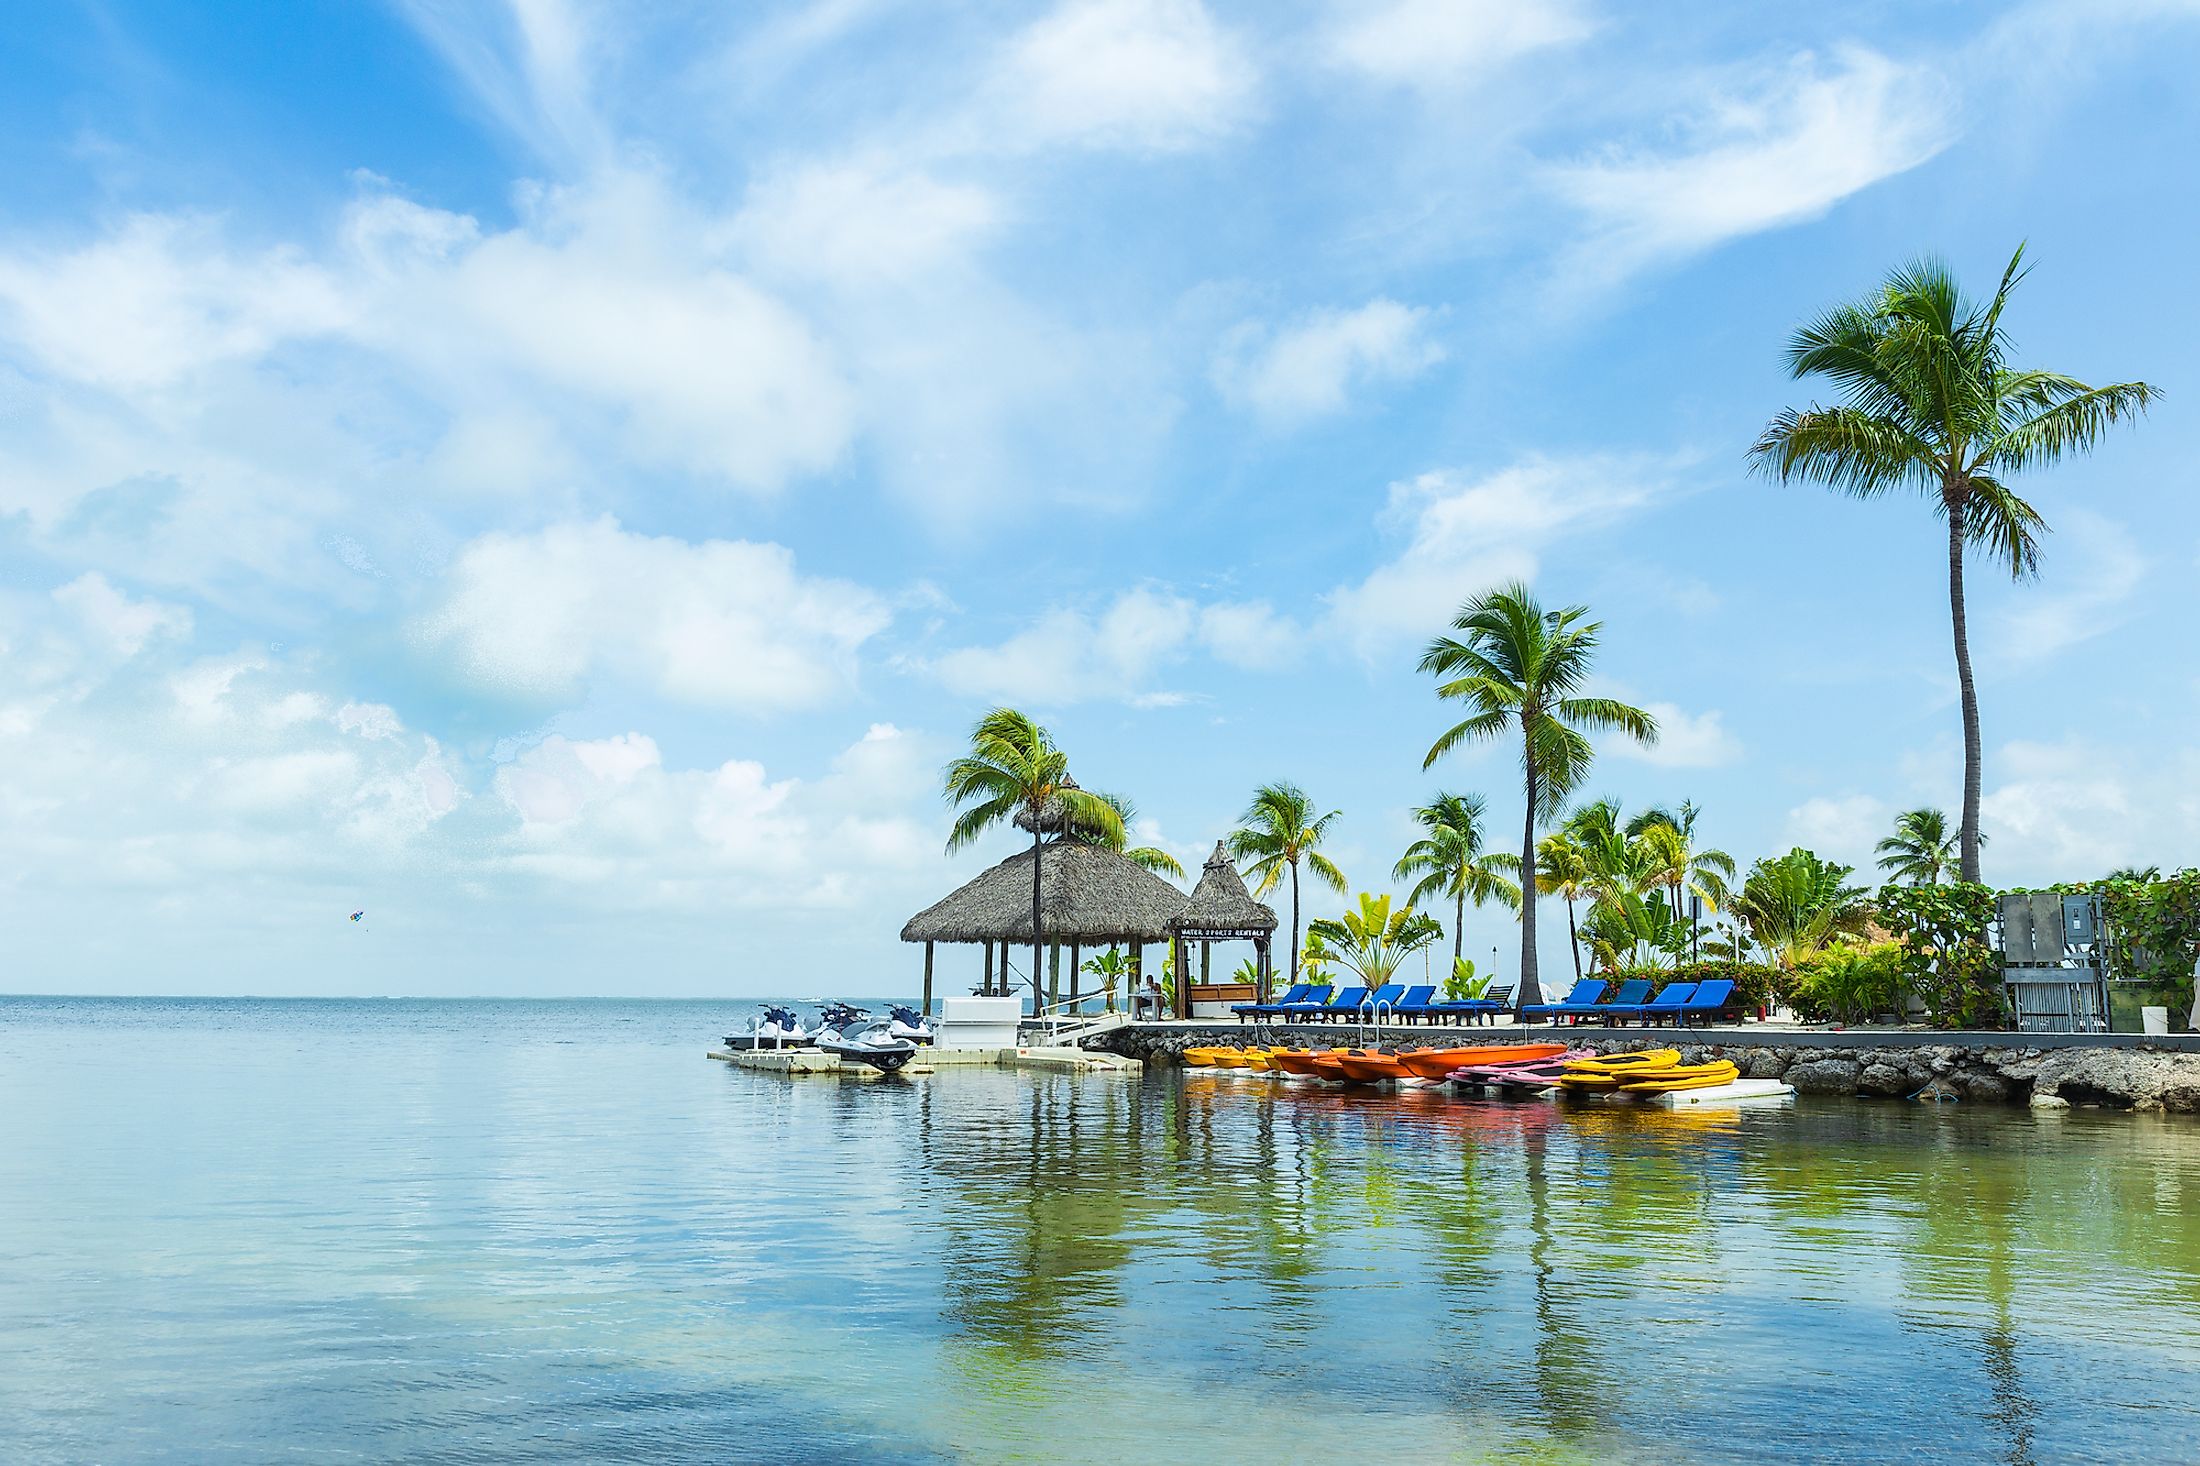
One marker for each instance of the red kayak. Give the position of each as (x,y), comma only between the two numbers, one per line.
(1437,1063)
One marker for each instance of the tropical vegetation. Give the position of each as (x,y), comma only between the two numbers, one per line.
(1449,860)
(1922,849)
(1278,831)
(1522,669)
(1931,404)
(1013,768)
(1795,905)
(1372,938)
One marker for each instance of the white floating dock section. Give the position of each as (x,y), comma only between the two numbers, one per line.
(1740,1091)
(795,1062)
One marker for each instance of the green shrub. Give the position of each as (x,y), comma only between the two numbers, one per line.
(1949,962)
(1852,982)
(1756,984)
(2154,932)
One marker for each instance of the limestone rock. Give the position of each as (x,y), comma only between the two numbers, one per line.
(1766,1064)
(1984,1088)
(1881,1078)
(2049,1101)
(1824,1076)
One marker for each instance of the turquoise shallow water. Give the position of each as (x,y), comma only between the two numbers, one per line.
(381,1231)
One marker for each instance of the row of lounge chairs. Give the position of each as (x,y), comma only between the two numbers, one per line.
(1676,1002)
(1396,1003)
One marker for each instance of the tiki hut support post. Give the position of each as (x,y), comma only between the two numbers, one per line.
(1206,963)
(1182,997)
(927,979)
(1075,950)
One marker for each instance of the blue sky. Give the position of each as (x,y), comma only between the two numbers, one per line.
(563,481)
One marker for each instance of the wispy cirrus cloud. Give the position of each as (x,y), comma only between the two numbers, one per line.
(1775,148)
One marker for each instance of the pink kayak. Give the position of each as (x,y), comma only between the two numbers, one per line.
(1520,1074)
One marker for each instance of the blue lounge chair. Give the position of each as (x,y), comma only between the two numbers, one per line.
(1667,1004)
(1585,992)
(1708,1001)
(1298,994)
(1629,997)
(1476,1010)
(1344,1005)
(1382,1002)
(1317,993)
(1415,1005)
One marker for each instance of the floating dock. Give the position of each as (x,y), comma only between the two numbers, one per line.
(794,1062)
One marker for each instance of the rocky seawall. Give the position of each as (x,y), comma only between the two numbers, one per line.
(2047,1071)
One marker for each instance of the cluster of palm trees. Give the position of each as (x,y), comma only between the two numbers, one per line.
(1929,403)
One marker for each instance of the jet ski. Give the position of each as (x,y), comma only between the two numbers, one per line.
(906,1022)
(838,1018)
(775,1028)
(871,1043)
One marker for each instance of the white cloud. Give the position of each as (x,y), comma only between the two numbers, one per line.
(1139,75)
(1465,534)
(163,297)
(1250,634)
(857,225)
(1445,43)
(1069,656)
(2093,569)
(2060,812)
(120,624)
(1308,368)
(1841,827)
(1787,149)
(724,622)
(1685,740)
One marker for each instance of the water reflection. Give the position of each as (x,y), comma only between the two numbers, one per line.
(501,1237)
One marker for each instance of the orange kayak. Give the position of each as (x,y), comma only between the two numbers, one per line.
(1438,1063)
(1373,1068)
(1329,1065)
(1296,1061)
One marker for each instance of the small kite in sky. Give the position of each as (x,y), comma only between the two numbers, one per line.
(356,915)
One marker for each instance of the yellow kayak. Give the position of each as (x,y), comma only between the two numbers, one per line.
(1693,1076)
(1209,1056)
(1614,1070)
(1638,1063)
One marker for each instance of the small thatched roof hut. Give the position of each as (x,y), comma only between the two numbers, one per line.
(1087,894)
(1221,906)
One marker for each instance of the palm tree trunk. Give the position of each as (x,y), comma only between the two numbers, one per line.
(1972,754)
(1573,937)
(1459,925)
(1294,923)
(1530,990)
(1037,937)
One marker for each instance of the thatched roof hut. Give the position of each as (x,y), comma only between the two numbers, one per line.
(1087,894)
(1221,906)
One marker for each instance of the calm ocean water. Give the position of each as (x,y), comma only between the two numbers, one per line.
(502,1231)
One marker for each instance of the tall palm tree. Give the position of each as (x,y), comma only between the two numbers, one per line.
(1932,404)
(1522,667)
(1921,851)
(1277,831)
(1146,857)
(1014,770)
(1562,870)
(1450,862)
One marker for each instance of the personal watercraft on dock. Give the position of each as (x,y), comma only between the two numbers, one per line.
(871,1043)
(906,1022)
(774,1028)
